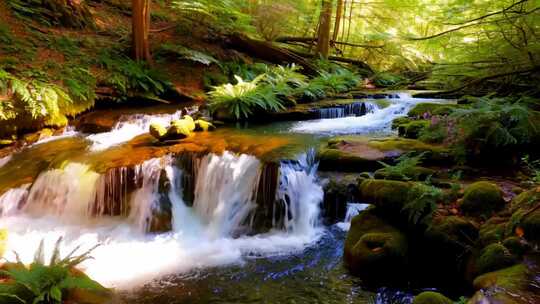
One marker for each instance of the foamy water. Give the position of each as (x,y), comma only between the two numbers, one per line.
(58,204)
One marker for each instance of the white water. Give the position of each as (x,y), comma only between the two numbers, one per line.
(353,209)
(4,160)
(377,121)
(128,128)
(59,201)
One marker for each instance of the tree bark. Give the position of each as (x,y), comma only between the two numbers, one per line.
(323,36)
(140,29)
(337,23)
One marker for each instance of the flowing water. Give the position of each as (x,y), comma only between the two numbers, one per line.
(231,216)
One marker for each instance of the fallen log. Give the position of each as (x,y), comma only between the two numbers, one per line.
(312,40)
(275,54)
(268,51)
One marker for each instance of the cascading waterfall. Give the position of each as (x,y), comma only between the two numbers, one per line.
(351,109)
(130,126)
(72,202)
(353,209)
(378,121)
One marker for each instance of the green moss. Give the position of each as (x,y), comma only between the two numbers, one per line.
(492,231)
(373,248)
(388,196)
(157,130)
(413,173)
(482,199)
(516,245)
(511,278)
(400,121)
(431,297)
(525,199)
(431,108)
(335,159)
(494,257)
(413,129)
(451,231)
(531,226)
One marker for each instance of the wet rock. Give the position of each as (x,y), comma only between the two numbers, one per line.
(431,297)
(516,245)
(482,199)
(204,126)
(161,217)
(339,190)
(373,249)
(508,285)
(179,129)
(494,257)
(158,131)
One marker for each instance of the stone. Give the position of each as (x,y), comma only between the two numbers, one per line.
(494,257)
(431,297)
(482,199)
(158,131)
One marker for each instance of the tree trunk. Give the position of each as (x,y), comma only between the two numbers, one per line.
(140,28)
(323,37)
(339,14)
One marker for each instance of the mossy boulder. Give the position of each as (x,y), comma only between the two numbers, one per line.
(339,190)
(509,285)
(412,129)
(492,231)
(516,245)
(431,297)
(430,109)
(335,159)
(203,126)
(158,131)
(373,249)
(179,129)
(387,195)
(494,257)
(526,199)
(531,225)
(451,231)
(482,199)
(413,173)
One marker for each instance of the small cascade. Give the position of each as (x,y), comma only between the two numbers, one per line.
(130,126)
(113,191)
(65,193)
(353,209)
(378,121)
(12,200)
(351,109)
(299,195)
(225,191)
(150,204)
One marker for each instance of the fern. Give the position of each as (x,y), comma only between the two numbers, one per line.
(421,203)
(186,53)
(46,283)
(405,166)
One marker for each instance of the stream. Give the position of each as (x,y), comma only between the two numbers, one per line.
(231,235)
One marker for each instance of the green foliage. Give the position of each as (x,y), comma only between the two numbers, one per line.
(130,78)
(243,70)
(406,164)
(386,79)
(225,15)
(53,12)
(533,167)
(244,97)
(41,283)
(422,202)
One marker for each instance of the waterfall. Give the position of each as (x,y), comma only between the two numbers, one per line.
(130,126)
(300,194)
(351,109)
(66,192)
(378,121)
(225,191)
(353,209)
(119,207)
(12,200)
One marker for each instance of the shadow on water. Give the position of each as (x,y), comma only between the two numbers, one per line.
(314,275)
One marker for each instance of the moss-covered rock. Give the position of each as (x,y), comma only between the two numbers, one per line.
(204,126)
(494,257)
(526,199)
(373,249)
(431,109)
(179,129)
(413,173)
(412,129)
(516,245)
(431,297)
(451,231)
(158,131)
(386,195)
(492,231)
(531,225)
(340,189)
(482,199)
(509,285)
